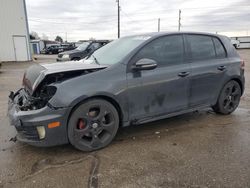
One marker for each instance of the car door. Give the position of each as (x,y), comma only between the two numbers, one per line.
(208,62)
(164,89)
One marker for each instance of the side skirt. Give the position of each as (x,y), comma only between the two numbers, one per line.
(164,116)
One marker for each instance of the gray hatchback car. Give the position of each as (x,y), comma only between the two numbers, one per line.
(132,80)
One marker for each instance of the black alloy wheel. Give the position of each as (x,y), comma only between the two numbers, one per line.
(229,98)
(93,125)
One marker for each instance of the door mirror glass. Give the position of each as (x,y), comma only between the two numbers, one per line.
(144,64)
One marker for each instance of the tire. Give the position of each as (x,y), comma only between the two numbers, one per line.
(229,98)
(93,125)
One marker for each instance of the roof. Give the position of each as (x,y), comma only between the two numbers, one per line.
(94,40)
(155,34)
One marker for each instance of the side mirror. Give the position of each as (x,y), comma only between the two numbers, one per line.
(144,64)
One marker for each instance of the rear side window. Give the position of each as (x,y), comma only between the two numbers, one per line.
(201,47)
(165,51)
(220,51)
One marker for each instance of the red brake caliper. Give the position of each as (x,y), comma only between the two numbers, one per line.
(81,124)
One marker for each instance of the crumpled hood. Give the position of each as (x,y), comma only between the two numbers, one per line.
(35,74)
(70,66)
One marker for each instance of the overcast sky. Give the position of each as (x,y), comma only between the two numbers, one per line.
(82,19)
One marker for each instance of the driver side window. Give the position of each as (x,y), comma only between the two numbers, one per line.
(166,51)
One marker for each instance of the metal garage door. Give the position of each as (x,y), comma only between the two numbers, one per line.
(20,47)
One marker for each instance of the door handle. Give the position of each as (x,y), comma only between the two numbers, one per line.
(222,68)
(183,74)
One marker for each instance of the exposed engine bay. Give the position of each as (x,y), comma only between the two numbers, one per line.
(27,100)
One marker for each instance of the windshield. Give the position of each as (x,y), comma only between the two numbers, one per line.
(83,46)
(115,51)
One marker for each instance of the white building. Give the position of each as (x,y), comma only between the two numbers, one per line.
(14,32)
(37,46)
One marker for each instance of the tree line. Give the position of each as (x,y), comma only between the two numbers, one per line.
(34,36)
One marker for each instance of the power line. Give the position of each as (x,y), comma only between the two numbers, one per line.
(218,7)
(162,11)
(137,13)
(60,21)
(125,14)
(71,23)
(196,8)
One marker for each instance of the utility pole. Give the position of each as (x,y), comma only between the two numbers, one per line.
(119,9)
(66,40)
(179,25)
(159,24)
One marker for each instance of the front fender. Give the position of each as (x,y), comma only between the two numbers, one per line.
(109,83)
(107,96)
(93,95)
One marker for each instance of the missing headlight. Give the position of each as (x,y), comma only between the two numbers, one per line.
(43,96)
(40,99)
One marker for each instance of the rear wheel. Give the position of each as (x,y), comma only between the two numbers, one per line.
(93,125)
(229,98)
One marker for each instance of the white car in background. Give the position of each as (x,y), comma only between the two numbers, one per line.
(235,43)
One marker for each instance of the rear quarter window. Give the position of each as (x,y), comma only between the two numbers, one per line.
(201,47)
(220,50)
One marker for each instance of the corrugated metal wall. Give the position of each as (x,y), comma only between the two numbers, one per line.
(12,23)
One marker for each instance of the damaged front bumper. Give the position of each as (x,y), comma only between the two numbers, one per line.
(32,125)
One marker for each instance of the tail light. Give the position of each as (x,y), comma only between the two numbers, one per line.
(242,64)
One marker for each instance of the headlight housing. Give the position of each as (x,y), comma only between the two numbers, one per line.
(43,96)
(65,56)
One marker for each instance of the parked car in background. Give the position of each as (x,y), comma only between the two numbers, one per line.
(132,80)
(82,51)
(235,43)
(54,49)
(66,47)
(241,42)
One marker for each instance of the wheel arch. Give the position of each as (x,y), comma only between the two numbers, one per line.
(237,79)
(103,97)
(240,83)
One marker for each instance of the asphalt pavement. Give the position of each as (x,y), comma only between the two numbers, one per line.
(198,149)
